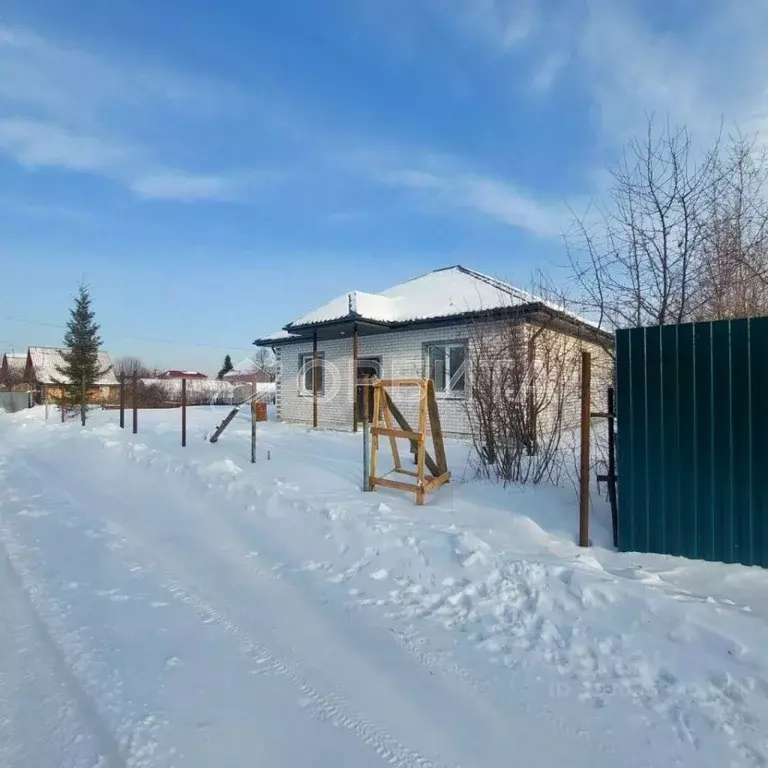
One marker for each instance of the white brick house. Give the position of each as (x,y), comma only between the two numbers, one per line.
(424,327)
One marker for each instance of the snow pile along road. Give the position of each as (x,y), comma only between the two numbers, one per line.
(182,607)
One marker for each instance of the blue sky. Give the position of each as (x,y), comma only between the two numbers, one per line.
(213,169)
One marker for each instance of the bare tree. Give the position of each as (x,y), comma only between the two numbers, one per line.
(525,387)
(264,359)
(733,281)
(130,365)
(638,261)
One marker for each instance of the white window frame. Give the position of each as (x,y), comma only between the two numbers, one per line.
(305,361)
(448,392)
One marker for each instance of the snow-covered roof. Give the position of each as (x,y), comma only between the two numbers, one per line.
(443,293)
(195,387)
(176,373)
(279,336)
(47,360)
(16,362)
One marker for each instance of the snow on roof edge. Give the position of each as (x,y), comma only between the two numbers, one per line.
(440,294)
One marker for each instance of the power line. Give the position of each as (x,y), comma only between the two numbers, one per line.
(136,338)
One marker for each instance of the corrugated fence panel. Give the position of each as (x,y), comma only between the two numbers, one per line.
(759,379)
(624,446)
(692,450)
(670,442)
(741,420)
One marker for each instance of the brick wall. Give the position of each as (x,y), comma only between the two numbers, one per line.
(402,356)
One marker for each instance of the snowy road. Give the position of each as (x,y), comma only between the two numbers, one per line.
(165,609)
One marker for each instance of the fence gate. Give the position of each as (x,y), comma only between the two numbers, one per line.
(693,440)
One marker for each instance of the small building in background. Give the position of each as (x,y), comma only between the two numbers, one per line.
(174,374)
(41,373)
(248,372)
(12,372)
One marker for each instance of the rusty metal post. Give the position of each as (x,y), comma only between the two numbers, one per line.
(314,380)
(612,467)
(586,386)
(355,353)
(183,412)
(122,400)
(366,435)
(135,393)
(253,428)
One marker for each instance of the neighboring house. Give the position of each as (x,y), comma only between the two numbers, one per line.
(174,374)
(42,373)
(198,391)
(423,327)
(247,372)
(12,371)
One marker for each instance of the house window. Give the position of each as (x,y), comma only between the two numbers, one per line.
(446,366)
(306,373)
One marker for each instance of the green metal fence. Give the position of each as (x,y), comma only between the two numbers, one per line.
(692,440)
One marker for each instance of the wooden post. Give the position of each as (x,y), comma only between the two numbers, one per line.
(135,403)
(183,412)
(366,435)
(586,386)
(83,402)
(122,400)
(314,380)
(253,429)
(354,377)
(436,428)
(422,444)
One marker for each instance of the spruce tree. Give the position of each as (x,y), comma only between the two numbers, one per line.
(80,370)
(227,367)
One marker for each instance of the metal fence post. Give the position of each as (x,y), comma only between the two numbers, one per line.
(253,430)
(366,438)
(612,466)
(183,413)
(586,386)
(122,400)
(135,404)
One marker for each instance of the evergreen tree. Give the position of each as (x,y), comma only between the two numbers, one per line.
(81,369)
(227,367)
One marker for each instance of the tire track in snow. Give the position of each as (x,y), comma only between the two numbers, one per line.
(324,706)
(16,576)
(327,706)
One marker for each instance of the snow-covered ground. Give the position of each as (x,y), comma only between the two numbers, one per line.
(162,606)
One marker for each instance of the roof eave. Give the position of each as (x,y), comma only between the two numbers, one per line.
(306,330)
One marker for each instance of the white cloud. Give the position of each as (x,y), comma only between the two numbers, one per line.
(172,185)
(83,112)
(703,69)
(494,198)
(34,143)
(547,70)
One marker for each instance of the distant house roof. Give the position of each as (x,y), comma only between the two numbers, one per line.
(451,292)
(247,371)
(174,374)
(14,363)
(46,361)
